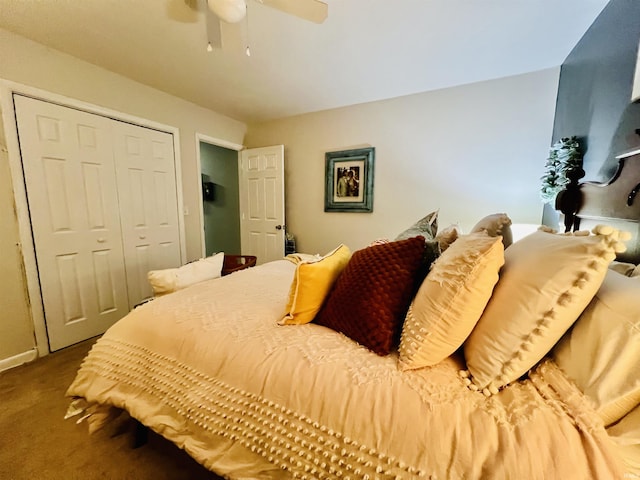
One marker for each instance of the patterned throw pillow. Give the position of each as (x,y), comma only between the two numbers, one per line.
(311,284)
(546,282)
(426,227)
(370,298)
(450,300)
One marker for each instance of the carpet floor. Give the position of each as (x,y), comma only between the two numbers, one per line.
(37,443)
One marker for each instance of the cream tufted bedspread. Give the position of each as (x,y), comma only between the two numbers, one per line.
(209,368)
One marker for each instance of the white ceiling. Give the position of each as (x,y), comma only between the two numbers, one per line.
(366,50)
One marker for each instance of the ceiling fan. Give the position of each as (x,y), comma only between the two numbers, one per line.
(234,11)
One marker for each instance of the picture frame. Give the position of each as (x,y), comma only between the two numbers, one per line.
(349,180)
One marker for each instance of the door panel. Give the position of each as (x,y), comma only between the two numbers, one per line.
(262,202)
(73,202)
(145,168)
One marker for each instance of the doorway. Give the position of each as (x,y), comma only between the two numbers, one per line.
(220,199)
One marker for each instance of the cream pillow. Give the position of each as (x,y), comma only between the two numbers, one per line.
(172,279)
(447,236)
(546,282)
(623,268)
(450,300)
(311,284)
(498,224)
(601,354)
(626,435)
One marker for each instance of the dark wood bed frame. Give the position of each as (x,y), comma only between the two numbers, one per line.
(615,202)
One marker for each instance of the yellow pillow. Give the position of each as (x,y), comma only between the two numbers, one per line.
(545,284)
(312,282)
(450,300)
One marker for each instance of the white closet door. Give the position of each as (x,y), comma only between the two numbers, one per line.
(145,166)
(69,172)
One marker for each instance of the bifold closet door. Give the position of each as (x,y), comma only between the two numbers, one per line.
(145,167)
(70,178)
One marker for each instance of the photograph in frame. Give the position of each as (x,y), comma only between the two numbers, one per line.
(349,180)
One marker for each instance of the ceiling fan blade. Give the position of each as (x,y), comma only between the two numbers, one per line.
(315,11)
(229,11)
(183,11)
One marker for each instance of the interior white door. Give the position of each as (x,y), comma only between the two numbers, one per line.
(262,202)
(70,179)
(145,166)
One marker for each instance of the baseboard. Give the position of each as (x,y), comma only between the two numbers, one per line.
(17,360)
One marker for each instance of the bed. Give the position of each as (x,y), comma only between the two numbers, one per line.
(435,355)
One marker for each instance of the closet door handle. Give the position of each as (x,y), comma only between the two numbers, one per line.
(142,237)
(102,240)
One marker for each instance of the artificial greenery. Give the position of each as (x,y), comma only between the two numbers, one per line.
(563,164)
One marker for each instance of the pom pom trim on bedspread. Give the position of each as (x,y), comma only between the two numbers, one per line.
(283,437)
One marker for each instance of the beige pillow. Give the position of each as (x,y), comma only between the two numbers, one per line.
(626,435)
(450,300)
(498,224)
(546,282)
(311,284)
(623,268)
(601,354)
(173,279)
(447,236)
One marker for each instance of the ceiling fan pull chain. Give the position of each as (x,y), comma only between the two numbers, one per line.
(247,50)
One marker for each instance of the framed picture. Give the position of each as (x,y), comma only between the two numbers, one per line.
(349,180)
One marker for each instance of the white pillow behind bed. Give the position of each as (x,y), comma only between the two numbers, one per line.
(173,279)
(602,351)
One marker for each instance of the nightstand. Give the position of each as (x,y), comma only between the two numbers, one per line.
(234,263)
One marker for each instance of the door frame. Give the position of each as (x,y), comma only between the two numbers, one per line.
(27,247)
(202,138)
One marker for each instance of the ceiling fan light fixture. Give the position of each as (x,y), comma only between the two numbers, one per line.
(230,11)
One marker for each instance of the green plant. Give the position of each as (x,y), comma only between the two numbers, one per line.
(563,165)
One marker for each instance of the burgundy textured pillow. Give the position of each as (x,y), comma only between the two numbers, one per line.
(370,298)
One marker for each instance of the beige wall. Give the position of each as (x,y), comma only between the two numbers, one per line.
(34,65)
(16,331)
(468,151)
